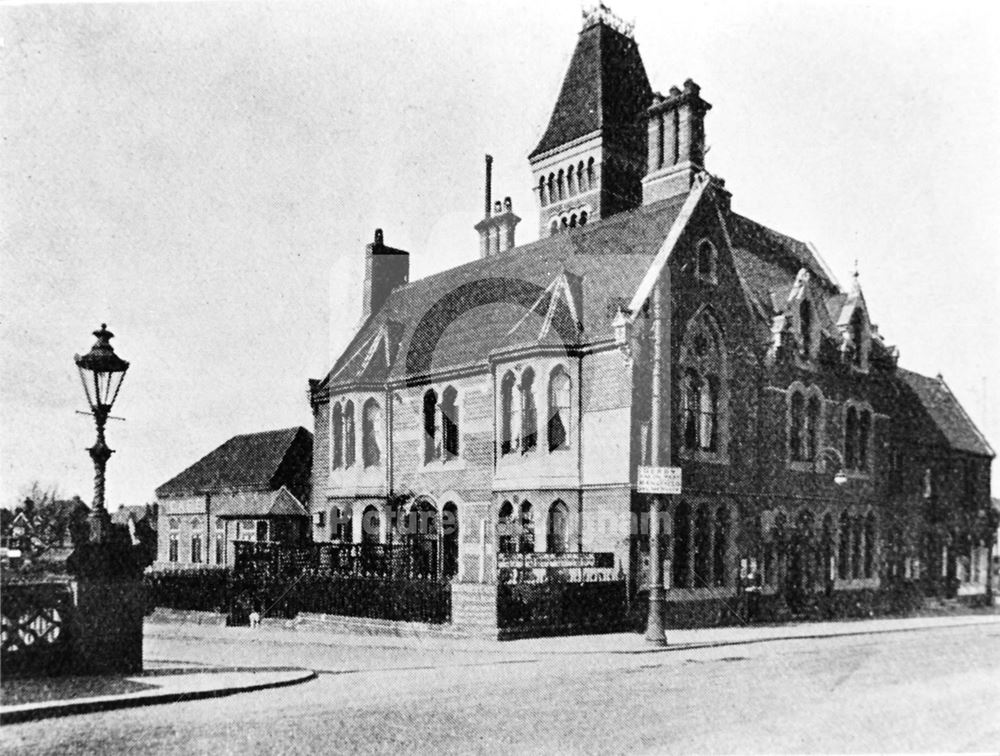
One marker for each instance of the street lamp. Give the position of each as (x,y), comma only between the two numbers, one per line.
(839,477)
(101,372)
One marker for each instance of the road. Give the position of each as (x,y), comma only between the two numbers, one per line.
(931,690)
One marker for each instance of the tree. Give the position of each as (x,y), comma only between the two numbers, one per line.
(52,522)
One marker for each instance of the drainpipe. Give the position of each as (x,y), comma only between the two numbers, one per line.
(660,443)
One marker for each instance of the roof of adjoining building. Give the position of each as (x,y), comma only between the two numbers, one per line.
(943,410)
(280,503)
(605,87)
(248,461)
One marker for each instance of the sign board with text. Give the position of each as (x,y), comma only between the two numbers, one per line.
(659,480)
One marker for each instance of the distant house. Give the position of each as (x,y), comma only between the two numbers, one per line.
(255,487)
(43,532)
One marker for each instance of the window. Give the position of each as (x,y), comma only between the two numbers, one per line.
(432,450)
(526,536)
(261,531)
(858,338)
(349,434)
(806,328)
(844,551)
(682,550)
(812,427)
(449,422)
(583,218)
(541,191)
(371,423)
(857,536)
(172,546)
(864,434)
(702,405)
(571,180)
(851,439)
(220,549)
(339,525)
(371,526)
(196,548)
(719,572)
(706,261)
(869,558)
(552,187)
(337,436)
(559,409)
(506,529)
(529,420)
(796,429)
(826,570)
(702,548)
(581,177)
(590,173)
(509,414)
(558,528)
(561,184)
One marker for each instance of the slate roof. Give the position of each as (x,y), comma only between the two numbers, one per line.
(943,410)
(605,87)
(280,503)
(249,461)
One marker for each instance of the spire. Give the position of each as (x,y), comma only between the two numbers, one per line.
(590,161)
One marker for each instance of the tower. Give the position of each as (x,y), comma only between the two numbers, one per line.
(590,162)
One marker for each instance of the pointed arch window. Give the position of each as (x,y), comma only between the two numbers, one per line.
(506,529)
(869,557)
(864,438)
(529,419)
(432,448)
(526,534)
(449,422)
(558,531)
(850,438)
(706,261)
(812,427)
(703,391)
(806,328)
(509,414)
(797,426)
(337,436)
(371,423)
(844,549)
(559,409)
(349,447)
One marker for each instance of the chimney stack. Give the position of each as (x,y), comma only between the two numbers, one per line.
(676,142)
(385,269)
(496,229)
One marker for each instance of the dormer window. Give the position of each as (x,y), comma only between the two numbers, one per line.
(706,261)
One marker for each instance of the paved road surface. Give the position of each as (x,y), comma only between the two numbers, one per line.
(902,692)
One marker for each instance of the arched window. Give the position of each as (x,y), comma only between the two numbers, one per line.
(173,545)
(432,449)
(371,526)
(506,529)
(719,571)
(869,560)
(851,439)
(857,536)
(590,174)
(526,534)
(812,427)
(558,528)
(340,525)
(195,542)
(449,422)
(552,187)
(337,436)
(844,555)
(581,178)
(541,192)
(371,423)
(571,180)
(449,540)
(703,389)
(509,414)
(529,419)
(572,221)
(682,549)
(349,434)
(864,438)
(702,548)
(806,328)
(706,261)
(559,409)
(583,218)
(561,184)
(795,438)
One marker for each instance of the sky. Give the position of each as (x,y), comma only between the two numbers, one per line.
(204,177)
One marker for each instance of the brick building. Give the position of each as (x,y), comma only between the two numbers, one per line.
(510,397)
(255,487)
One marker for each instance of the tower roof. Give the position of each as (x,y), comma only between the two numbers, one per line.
(604,88)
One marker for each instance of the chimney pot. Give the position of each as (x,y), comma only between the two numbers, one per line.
(507,205)
(497,207)
(378,236)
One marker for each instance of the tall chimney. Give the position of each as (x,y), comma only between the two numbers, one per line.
(676,142)
(496,229)
(385,269)
(489,185)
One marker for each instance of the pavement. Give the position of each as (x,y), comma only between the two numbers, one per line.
(164,684)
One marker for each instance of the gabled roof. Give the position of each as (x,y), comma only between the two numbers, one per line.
(605,88)
(280,503)
(135,513)
(249,461)
(943,410)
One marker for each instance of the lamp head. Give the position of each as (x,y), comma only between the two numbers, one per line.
(101,370)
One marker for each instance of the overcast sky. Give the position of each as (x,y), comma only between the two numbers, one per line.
(204,178)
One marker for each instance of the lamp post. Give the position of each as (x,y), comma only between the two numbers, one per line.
(839,477)
(101,372)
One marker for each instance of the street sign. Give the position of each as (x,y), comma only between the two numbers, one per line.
(659,480)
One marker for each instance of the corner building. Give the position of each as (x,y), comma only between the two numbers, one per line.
(511,395)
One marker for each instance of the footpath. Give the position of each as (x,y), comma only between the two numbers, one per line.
(181,677)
